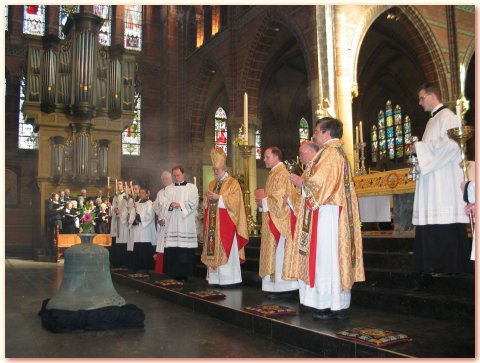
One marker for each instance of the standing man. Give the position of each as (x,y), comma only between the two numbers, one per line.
(132,223)
(160,211)
(181,203)
(115,225)
(441,242)
(123,238)
(225,231)
(327,235)
(144,236)
(277,222)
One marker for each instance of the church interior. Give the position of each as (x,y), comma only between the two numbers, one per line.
(96,94)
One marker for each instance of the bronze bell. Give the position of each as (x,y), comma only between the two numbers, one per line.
(87,283)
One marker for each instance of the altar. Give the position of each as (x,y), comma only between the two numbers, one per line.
(386,196)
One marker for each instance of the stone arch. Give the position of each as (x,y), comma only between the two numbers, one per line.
(258,54)
(198,106)
(423,40)
(469,53)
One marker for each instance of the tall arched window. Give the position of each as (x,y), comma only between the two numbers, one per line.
(390,136)
(34,19)
(303,130)
(131,137)
(105,34)
(258,145)
(27,137)
(64,12)
(216,15)
(133,27)
(221,136)
(199,20)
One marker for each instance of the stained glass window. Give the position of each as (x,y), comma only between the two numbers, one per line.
(27,138)
(131,137)
(221,130)
(105,34)
(133,27)
(374,143)
(258,145)
(303,130)
(34,19)
(407,131)
(397,117)
(390,137)
(64,12)
(390,131)
(382,144)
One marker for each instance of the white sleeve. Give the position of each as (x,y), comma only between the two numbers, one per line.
(471,192)
(265,205)
(440,150)
(190,205)
(146,214)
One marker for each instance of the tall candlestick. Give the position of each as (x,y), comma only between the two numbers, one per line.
(356,135)
(116,186)
(361,133)
(126,189)
(195,180)
(245,116)
(459,113)
(131,189)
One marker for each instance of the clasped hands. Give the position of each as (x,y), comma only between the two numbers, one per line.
(175,205)
(212,196)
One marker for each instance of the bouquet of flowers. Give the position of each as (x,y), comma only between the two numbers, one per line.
(87,222)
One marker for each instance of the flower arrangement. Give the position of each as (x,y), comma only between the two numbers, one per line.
(87,222)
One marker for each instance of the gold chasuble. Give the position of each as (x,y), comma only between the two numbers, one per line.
(221,224)
(278,221)
(327,180)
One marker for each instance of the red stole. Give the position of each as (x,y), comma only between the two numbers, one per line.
(227,232)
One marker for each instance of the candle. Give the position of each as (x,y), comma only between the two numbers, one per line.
(108,182)
(361,133)
(356,134)
(459,113)
(131,189)
(126,188)
(195,180)
(116,186)
(245,116)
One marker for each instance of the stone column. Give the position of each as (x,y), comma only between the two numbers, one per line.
(343,81)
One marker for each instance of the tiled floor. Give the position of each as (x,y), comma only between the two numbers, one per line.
(170,329)
(178,326)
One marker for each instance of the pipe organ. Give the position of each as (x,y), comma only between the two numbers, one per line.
(80,96)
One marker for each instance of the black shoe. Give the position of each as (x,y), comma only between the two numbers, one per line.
(307,309)
(327,314)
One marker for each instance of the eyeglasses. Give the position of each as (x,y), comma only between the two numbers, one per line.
(421,98)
